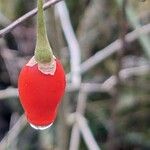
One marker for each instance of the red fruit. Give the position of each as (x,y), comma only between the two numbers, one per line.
(40,94)
(42,81)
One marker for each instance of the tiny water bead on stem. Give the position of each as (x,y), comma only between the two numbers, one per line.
(41,82)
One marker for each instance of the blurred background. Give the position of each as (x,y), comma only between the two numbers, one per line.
(105,49)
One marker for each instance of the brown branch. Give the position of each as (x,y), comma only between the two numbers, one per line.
(25,17)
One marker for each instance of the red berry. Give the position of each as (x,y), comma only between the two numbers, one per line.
(40,94)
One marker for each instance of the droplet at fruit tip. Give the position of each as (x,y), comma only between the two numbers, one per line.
(40,127)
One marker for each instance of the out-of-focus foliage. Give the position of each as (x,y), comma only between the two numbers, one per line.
(8,8)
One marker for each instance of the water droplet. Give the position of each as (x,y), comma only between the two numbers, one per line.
(40,127)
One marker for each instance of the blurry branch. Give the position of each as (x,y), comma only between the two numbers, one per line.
(75,57)
(86,133)
(94,23)
(13,133)
(99,56)
(133,19)
(73,44)
(112,48)
(75,137)
(108,84)
(90,87)
(81,105)
(25,17)
(124,74)
(80,124)
(85,87)
(134,71)
(8,93)
(14,118)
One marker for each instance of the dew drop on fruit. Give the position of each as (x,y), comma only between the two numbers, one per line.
(41,127)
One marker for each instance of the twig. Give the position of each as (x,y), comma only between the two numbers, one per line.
(75,137)
(81,105)
(133,19)
(14,118)
(13,133)
(112,48)
(86,132)
(90,87)
(72,42)
(99,56)
(9,92)
(86,87)
(75,134)
(74,49)
(25,17)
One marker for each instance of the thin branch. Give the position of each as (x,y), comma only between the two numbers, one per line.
(9,92)
(111,81)
(25,17)
(135,22)
(112,48)
(85,87)
(75,55)
(13,133)
(75,137)
(86,132)
(81,105)
(90,87)
(93,60)
(75,52)
(99,56)
(124,74)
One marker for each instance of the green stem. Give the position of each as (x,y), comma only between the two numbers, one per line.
(43,51)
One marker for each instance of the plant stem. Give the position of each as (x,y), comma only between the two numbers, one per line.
(43,51)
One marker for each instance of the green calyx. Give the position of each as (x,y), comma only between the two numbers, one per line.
(43,51)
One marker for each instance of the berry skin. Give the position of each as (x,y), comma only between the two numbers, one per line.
(40,94)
